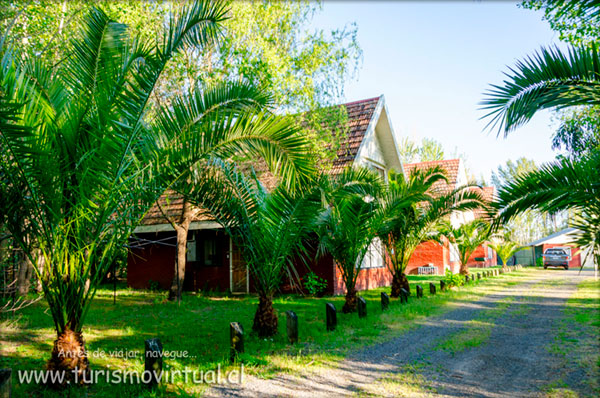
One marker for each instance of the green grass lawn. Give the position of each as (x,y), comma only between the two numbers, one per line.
(200,327)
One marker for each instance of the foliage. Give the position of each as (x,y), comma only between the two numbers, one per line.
(453,279)
(346,226)
(579,131)
(314,284)
(561,185)
(577,22)
(270,228)
(80,165)
(425,151)
(467,237)
(505,250)
(548,79)
(412,209)
(539,262)
(531,224)
(267,44)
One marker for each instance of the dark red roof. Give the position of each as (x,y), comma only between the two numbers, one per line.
(451,166)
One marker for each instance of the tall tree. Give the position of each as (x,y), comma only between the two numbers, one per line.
(80,164)
(427,150)
(410,211)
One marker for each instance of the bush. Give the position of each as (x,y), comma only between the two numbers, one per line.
(314,285)
(539,262)
(454,279)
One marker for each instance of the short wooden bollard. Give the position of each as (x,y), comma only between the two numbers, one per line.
(431,288)
(442,286)
(362,307)
(419,291)
(5,383)
(403,296)
(478,276)
(292,326)
(153,362)
(331,315)
(466,278)
(236,340)
(385,301)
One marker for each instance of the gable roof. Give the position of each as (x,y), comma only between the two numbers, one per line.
(361,117)
(451,166)
(487,194)
(360,114)
(563,236)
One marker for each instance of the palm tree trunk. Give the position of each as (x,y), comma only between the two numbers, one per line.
(399,281)
(24,276)
(351,301)
(464,269)
(68,356)
(265,319)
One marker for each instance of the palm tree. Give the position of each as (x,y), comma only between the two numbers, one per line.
(552,79)
(411,210)
(82,161)
(270,228)
(348,223)
(467,237)
(505,250)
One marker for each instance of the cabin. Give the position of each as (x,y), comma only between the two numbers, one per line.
(436,258)
(215,264)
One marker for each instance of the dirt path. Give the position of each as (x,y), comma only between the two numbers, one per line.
(495,347)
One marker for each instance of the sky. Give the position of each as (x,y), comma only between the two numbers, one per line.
(433,60)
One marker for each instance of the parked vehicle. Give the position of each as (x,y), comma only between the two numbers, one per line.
(557,257)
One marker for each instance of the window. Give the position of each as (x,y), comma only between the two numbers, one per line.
(207,248)
(190,254)
(374,256)
(454,256)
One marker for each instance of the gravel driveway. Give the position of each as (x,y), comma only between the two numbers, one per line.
(512,360)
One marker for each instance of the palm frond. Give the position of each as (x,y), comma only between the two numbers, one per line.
(548,79)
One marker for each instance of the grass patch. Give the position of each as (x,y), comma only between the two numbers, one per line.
(576,344)
(407,382)
(197,331)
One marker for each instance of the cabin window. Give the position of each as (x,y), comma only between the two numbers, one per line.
(211,248)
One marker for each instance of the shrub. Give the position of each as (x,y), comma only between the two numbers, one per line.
(314,285)
(539,262)
(454,279)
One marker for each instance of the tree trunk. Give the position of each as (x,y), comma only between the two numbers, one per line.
(41,261)
(399,281)
(180,259)
(464,269)
(265,319)
(69,358)
(24,276)
(351,301)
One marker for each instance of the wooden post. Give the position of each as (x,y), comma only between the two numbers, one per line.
(466,279)
(153,363)
(385,301)
(236,340)
(362,307)
(292,326)
(331,314)
(431,288)
(442,286)
(403,296)
(5,383)
(419,291)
